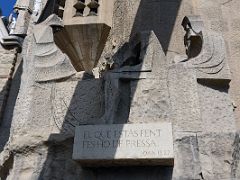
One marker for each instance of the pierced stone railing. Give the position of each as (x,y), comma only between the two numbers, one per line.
(86,8)
(79,6)
(93,6)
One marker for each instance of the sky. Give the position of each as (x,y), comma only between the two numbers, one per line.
(7,6)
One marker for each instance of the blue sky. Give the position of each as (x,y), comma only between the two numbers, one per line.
(7,6)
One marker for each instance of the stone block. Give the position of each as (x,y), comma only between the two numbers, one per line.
(124,144)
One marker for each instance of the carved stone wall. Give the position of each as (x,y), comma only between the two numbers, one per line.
(151,85)
(222,17)
(7,65)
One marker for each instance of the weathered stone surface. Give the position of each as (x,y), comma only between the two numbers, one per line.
(36,134)
(136,87)
(230,16)
(184,98)
(206,51)
(235,170)
(7,64)
(127,144)
(186,150)
(203,154)
(216,109)
(75,103)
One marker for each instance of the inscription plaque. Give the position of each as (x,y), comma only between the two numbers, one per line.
(127,144)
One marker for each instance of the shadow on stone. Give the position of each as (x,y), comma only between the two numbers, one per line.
(85,104)
(161,19)
(8,111)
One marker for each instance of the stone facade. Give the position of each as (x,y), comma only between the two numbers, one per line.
(7,65)
(172,61)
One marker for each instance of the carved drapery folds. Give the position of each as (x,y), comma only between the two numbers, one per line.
(7,65)
(49,61)
(205,50)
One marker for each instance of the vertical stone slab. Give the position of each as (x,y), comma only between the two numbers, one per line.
(149,101)
(216,109)
(215,153)
(7,64)
(231,16)
(184,99)
(187,163)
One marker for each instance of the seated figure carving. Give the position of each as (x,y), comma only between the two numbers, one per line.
(206,51)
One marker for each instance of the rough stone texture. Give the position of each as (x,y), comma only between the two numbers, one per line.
(236,157)
(221,16)
(230,15)
(36,135)
(184,98)
(206,51)
(138,81)
(7,64)
(215,151)
(85,108)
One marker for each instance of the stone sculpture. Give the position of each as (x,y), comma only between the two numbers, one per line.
(55,90)
(206,51)
(205,64)
(201,108)
(59,66)
(76,97)
(139,70)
